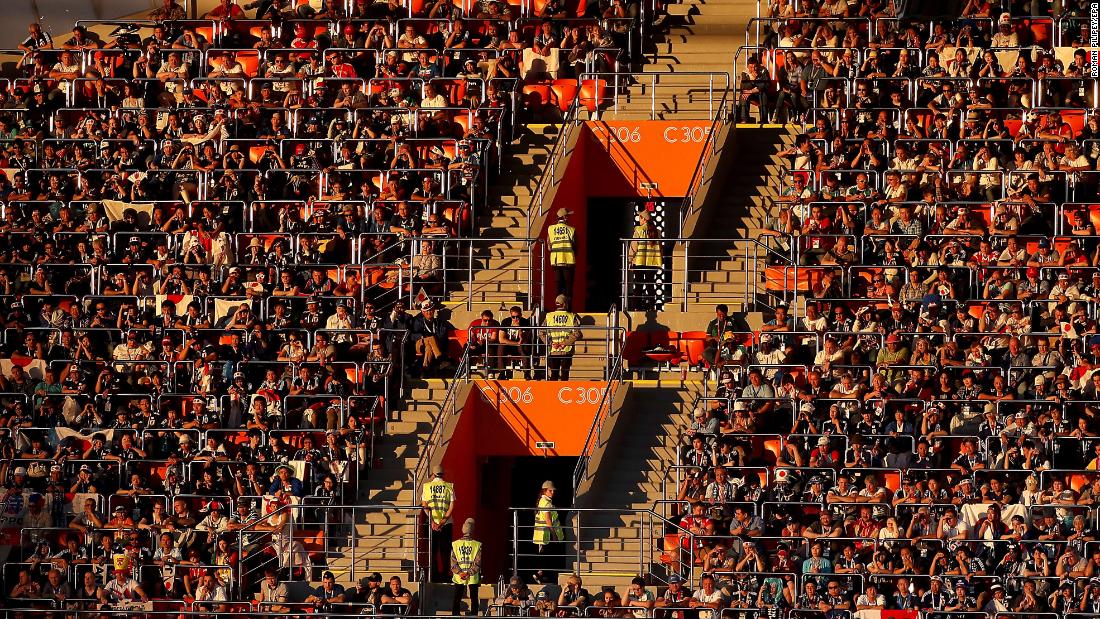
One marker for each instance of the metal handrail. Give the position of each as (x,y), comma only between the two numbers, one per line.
(710,147)
(614,378)
(337,541)
(570,124)
(435,438)
(647,540)
(453,255)
(619,81)
(679,282)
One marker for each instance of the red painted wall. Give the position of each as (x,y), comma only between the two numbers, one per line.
(460,465)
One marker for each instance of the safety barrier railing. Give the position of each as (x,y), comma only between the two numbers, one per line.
(449,406)
(459,269)
(603,409)
(548,182)
(710,148)
(707,91)
(596,355)
(350,541)
(593,549)
(692,271)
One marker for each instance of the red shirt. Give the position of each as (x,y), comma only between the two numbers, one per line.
(482,329)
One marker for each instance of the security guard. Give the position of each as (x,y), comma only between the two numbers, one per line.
(561,237)
(645,260)
(547,527)
(466,568)
(560,337)
(438,501)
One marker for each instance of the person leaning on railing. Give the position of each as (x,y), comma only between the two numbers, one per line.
(573,599)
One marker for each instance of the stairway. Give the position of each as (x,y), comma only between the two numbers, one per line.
(500,264)
(643,446)
(717,270)
(702,36)
(386,536)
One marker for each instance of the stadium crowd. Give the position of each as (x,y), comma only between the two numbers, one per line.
(212,235)
(223,244)
(914,426)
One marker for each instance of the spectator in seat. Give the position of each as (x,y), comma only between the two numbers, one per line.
(286,482)
(715,330)
(211,595)
(755,85)
(273,595)
(574,596)
(429,334)
(327,594)
(25,587)
(708,598)
(123,588)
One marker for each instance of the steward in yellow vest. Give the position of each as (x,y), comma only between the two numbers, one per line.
(560,336)
(438,501)
(561,238)
(645,261)
(547,526)
(466,568)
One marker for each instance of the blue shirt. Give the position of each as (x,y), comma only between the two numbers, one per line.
(295,486)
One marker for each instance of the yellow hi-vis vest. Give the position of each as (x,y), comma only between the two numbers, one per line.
(560,237)
(438,495)
(545,534)
(561,339)
(465,557)
(647,252)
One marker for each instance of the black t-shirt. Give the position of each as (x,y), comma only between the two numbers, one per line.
(401,592)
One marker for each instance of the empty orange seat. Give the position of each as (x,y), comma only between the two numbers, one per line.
(1041,32)
(564,93)
(692,344)
(636,342)
(535,96)
(772,447)
(594,94)
(456,343)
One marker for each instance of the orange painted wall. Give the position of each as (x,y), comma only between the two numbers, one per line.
(613,159)
(506,418)
(513,415)
(623,154)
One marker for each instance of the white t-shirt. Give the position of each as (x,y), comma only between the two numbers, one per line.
(701,596)
(63,85)
(118,592)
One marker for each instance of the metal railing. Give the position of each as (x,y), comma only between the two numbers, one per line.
(549,179)
(692,271)
(710,148)
(603,409)
(450,406)
(350,541)
(707,91)
(463,275)
(595,355)
(603,542)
